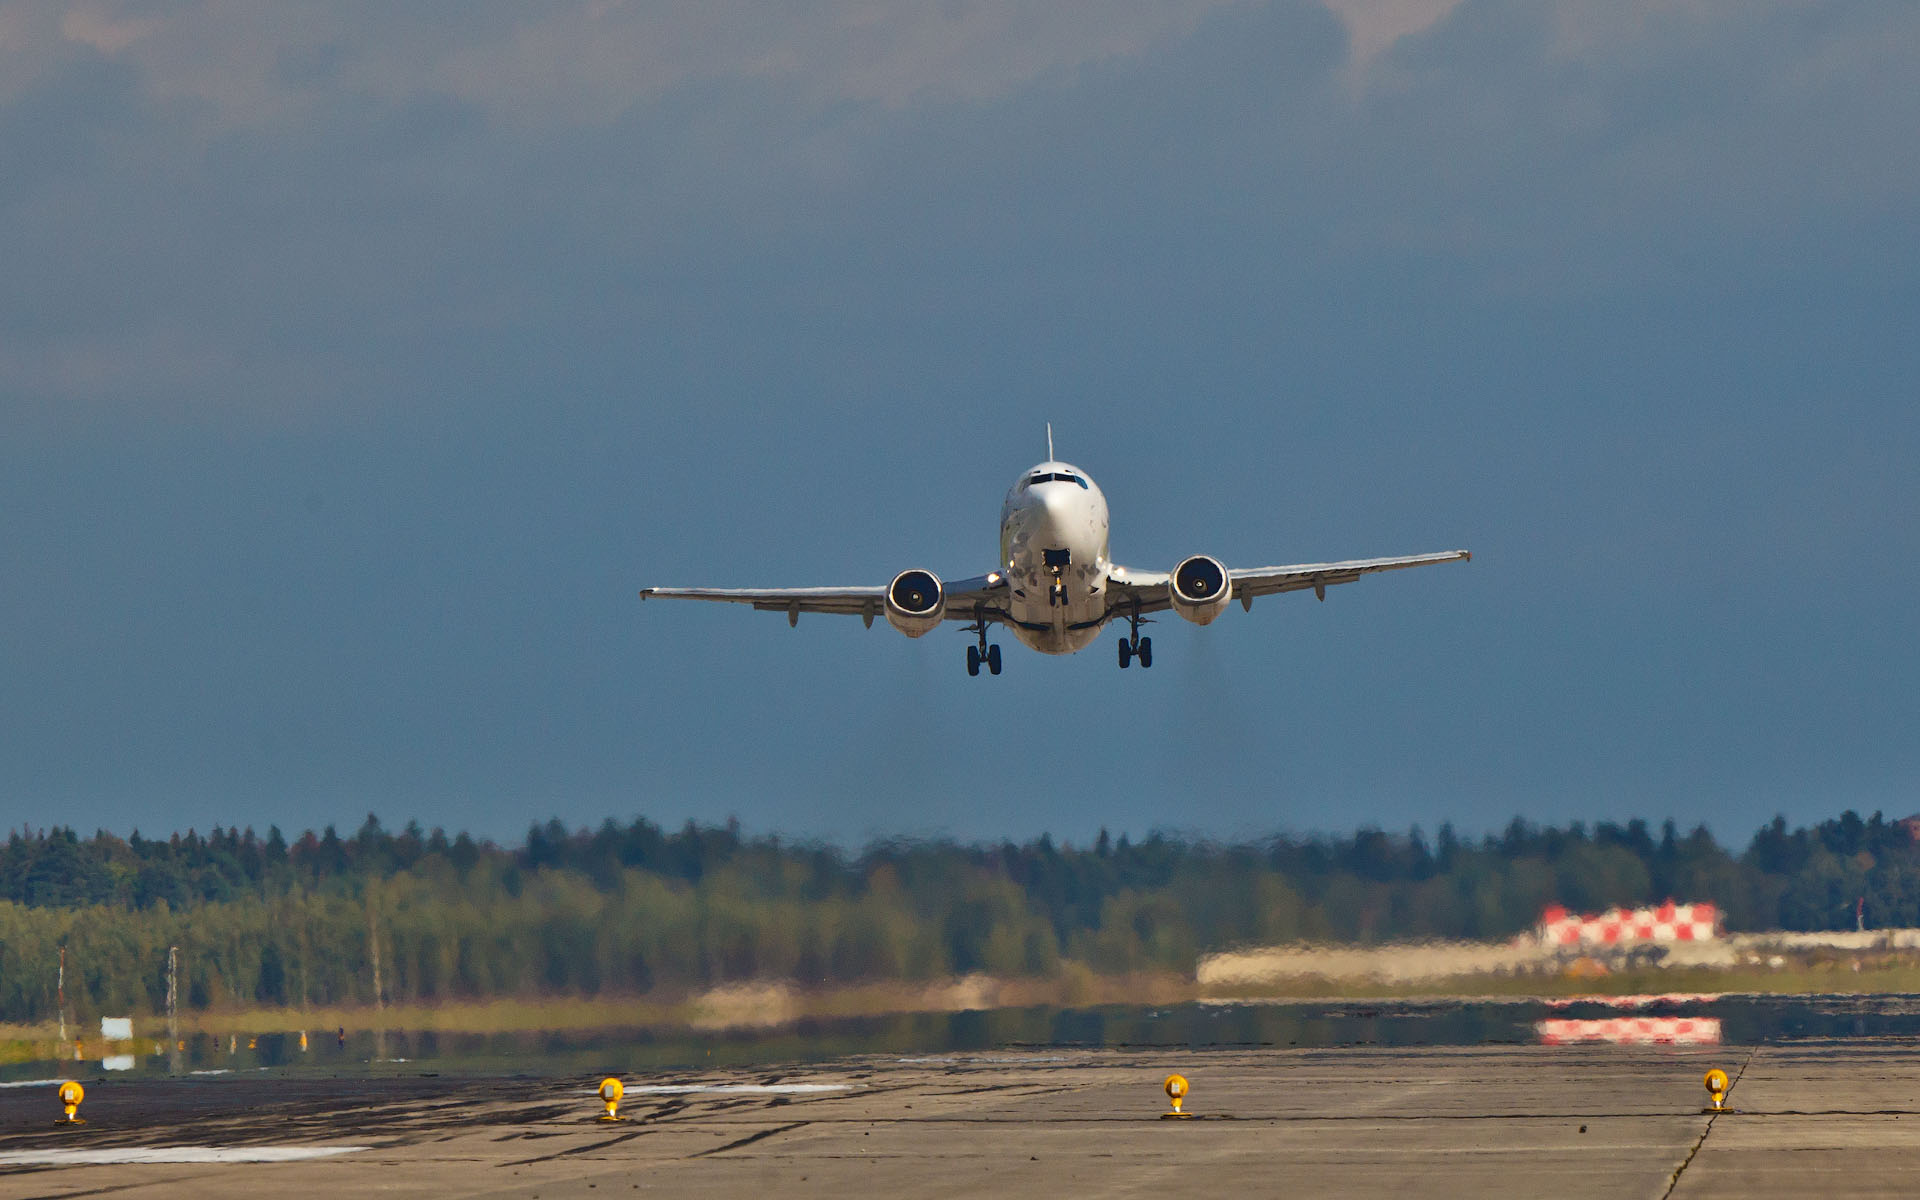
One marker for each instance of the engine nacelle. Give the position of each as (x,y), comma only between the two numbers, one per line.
(1200,588)
(916,602)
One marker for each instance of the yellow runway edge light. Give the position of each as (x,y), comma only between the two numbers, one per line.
(1176,1089)
(71,1094)
(610,1092)
(1717,1084)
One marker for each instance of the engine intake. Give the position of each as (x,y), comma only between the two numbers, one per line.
(916,602)
(1200,588)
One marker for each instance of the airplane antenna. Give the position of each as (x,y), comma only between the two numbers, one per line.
(1049,441)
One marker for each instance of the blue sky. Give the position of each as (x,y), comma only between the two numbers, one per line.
(359,365)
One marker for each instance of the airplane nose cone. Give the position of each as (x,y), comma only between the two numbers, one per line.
(1057,506)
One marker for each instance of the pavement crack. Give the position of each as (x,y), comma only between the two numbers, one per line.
(749,1140)
(586,1149)
(1674,1181)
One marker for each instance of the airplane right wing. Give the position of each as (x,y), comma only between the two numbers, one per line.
(983,595)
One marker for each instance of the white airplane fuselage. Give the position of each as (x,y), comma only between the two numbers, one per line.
(1054,552)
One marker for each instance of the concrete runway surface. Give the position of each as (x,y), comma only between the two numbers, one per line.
(1815,1119)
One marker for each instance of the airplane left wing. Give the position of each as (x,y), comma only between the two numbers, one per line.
(1148,589)
(966,599)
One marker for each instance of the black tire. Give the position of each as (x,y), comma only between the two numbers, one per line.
(1126,654)
(993,659)
(1145,652)
(973,660)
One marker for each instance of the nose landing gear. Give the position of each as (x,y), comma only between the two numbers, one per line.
(1057,561)
(982,654)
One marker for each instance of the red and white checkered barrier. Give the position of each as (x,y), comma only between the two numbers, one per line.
(1662,1000)
(1668,922)
(1631,1031)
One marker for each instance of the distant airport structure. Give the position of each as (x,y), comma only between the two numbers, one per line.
(1668,935)
(1628,927)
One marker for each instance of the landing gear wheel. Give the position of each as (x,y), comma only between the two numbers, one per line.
(993,659)
(973,660)
(1126,654)
(1145,651)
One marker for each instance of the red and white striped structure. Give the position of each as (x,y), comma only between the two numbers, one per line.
(1661,1000)
(1668,922)
(1631,1031)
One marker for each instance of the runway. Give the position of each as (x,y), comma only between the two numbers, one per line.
(1824,1118)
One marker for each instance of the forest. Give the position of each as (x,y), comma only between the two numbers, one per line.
(629,909)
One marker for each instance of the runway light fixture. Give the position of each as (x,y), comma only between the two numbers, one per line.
(1717,1084)
(71,1094)
(1176,1089)
(610,1093)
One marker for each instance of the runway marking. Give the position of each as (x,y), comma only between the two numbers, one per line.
(988,1058)
(171,1154)
(735,1089)
(32,1083)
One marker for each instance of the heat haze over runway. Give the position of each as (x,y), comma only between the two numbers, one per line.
(1819,1118)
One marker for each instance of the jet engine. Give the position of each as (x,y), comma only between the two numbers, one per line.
(1200,588)
(916,602)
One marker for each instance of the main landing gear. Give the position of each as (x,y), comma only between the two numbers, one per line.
(1134,646)
(982,653)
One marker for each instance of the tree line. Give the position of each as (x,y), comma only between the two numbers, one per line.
(633,908)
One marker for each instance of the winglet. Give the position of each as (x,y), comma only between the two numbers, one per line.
(1049,441)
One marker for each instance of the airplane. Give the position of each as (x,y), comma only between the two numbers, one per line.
(1055,587)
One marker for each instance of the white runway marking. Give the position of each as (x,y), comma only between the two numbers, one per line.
(170,1154)
(734,1089)
(990,1058)
(33,1083)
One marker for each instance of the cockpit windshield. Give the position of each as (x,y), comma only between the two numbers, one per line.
(1050,476)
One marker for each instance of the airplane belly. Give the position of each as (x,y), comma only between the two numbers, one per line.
(1056,630)
(1064,620)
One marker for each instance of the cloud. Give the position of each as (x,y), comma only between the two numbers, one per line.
(92,25)
(1375,25)
(272,200)
(590,62)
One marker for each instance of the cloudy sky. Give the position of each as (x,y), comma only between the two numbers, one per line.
(359,363)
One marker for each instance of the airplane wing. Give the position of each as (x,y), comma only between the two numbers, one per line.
(982,595)
(1149,588)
